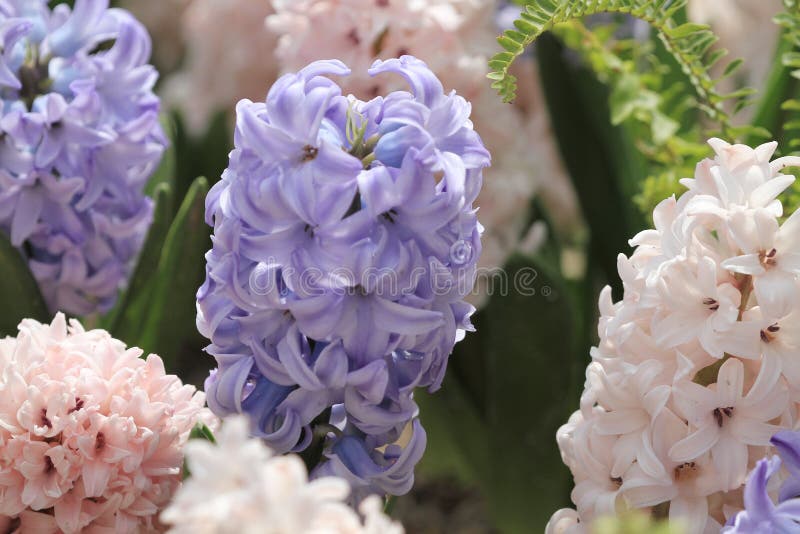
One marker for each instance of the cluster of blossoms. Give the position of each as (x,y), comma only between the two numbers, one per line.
(79,136)
(91,435)
(238,486)
(767,484)
(697,365)
(455,38)
(344,242)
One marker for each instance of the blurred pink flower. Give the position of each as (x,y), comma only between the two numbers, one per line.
(162,20)
(229,56)
(746,29)
(91,436)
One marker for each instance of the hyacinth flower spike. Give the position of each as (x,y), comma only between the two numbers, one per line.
(344,242)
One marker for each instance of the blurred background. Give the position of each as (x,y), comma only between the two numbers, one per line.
(603,126)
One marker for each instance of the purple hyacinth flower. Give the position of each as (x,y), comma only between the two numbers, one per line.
(344,243)
(79,137)
(761,515)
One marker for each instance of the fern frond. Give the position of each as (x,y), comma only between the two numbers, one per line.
(688,43)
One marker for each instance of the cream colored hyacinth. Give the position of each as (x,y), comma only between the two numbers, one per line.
(91,435)
(238,486)
(697,365)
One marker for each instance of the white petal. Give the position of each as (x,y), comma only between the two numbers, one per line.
(620,421)
(677,328)
(753,432)
(648,493)
(747,264)
(769,191)
(790,262)
(730,381)
(730,459)
(743,340)
(788,239)
(767,378)
(656,399)
(695,444)
(692,513)
(776,291)
(693,401)
(648,460)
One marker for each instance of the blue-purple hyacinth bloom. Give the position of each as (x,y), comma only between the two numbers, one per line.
(344,242)
(761,513)
(79,137)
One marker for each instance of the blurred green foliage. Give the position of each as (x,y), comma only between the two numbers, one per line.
(635,523)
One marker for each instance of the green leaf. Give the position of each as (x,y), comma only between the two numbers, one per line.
(604,166)
(200,155)
(508,388)
(529,378)
(165,173)
(663,127)
(685,30)
(18,290)
(170,321)
(128,317)
(732,67)
(201,431)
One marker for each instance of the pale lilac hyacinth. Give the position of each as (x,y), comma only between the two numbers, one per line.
(79,137)
(696,366)
(456,39)
(91,435)
(344,243)
(238,486)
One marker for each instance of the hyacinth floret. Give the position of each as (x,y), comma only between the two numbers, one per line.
(344,242)
(697,366)
(79,137)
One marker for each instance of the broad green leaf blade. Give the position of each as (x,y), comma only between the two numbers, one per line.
(165,173)
(19,291)
(529,338)
(456,410)
(603,164)
(170,317)
(129,315)
(200,155)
